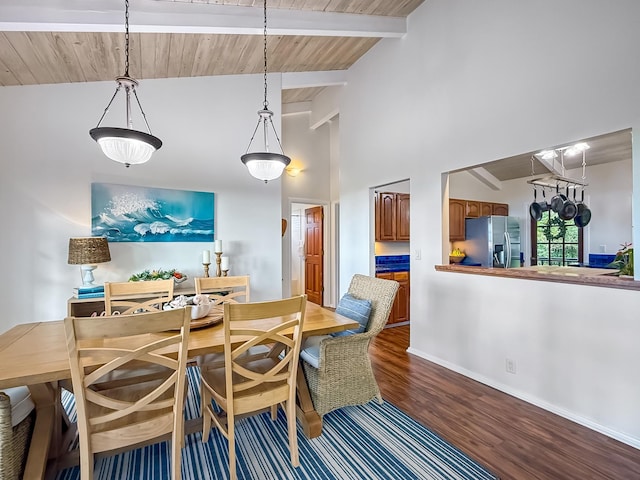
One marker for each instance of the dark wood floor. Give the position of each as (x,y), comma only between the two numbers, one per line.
(510,437)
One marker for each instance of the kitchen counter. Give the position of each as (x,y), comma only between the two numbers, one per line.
(595,277)
(392,263)
(398,267)
(569,271)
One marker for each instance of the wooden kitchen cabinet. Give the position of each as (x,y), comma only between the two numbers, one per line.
(457,210)
(392,217)
(472,209)
(400,309)
(403,201)
(385,217)
(500,209)
(486,209)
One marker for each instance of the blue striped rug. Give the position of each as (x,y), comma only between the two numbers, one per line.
(367,442)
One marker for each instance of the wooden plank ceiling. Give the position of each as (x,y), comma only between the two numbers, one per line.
(43,57)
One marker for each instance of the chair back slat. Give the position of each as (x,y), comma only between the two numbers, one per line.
(135,297)
(224,289)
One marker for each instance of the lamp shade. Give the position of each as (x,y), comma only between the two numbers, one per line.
(125,145)
(88,251)
(265,165)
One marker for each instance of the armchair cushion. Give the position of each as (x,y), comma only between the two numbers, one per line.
(356,309)
(310,351)
(21,404)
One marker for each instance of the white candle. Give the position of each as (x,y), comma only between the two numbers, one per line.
(217,246)
(224,263)
(206,256)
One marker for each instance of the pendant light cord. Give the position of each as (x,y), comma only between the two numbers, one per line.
(265,103)
(126,38)
(129,87)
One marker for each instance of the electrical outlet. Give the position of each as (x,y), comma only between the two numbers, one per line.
(510,365)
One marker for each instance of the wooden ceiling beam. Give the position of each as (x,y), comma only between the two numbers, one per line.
(485,177)
(326,78)
(151,16)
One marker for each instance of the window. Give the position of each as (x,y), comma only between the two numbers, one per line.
(555,241)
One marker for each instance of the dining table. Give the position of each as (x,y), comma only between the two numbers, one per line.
(35,355)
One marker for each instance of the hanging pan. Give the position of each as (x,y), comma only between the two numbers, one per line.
(583,215)
(536,209)
(557,200)
(568,209)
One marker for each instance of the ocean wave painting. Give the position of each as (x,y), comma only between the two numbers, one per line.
(125,213)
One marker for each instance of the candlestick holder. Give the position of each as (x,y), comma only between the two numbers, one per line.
(224,273)
(206,269)
(218,261)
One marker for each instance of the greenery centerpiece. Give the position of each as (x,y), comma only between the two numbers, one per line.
(147,275)
(624,260)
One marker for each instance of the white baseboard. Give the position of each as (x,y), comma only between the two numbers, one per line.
(622,437)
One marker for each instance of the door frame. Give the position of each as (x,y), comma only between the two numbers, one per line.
(329,249)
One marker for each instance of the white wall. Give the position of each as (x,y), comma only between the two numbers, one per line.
(49,161)
(309,149)
(464,87)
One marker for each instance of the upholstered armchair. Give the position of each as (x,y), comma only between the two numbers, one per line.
(337,368)
(16,426)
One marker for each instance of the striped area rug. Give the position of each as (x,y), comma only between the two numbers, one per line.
(367,442)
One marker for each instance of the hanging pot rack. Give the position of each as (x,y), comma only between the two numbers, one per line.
(554,180)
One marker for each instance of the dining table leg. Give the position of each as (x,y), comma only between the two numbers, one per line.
(45,397)
(52,433)
(310,419)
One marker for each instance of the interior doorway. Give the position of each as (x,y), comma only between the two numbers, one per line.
(390,233)
(310,270)
(314,254)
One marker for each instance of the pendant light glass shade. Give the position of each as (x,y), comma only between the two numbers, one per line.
(265,165)
(126,145)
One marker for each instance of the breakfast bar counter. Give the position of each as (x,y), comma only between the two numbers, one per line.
(595,277)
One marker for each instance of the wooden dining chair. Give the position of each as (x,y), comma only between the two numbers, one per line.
(224,289)
(246,384)
(136,297)
(127,415)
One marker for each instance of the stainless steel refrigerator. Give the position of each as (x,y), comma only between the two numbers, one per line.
(493,241)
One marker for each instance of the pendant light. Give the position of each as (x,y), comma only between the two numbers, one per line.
(265,165)
(126,145)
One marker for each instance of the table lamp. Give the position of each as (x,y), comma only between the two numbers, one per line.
(88,252)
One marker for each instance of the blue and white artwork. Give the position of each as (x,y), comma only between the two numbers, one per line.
(125,213)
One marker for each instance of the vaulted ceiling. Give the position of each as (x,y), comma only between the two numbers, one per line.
(311,41)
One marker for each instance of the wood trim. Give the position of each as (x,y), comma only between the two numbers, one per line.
(518,273)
